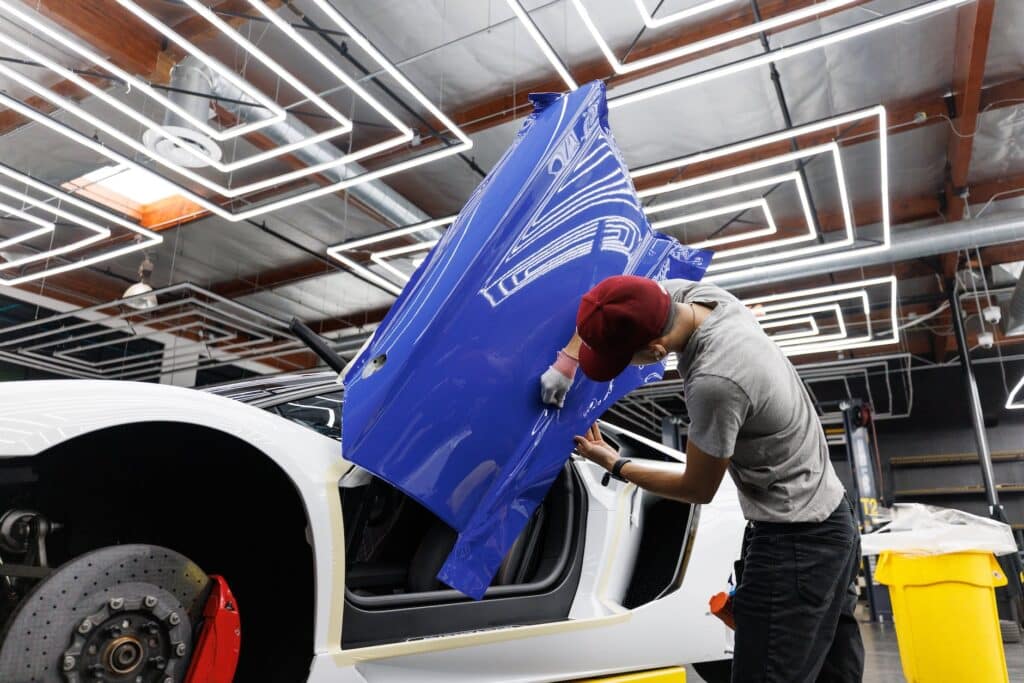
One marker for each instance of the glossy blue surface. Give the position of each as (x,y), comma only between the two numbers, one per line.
(453,416)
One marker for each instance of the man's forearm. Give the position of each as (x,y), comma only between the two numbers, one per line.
(673,485)
(573,347)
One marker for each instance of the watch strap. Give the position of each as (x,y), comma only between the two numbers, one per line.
(616,470)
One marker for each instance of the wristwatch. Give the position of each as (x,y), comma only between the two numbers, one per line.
(615,471)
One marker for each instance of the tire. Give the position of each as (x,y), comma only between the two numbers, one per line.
(128,611)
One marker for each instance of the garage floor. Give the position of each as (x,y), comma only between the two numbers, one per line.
(882,657)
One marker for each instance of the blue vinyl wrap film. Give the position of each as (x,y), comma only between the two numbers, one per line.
(445,401)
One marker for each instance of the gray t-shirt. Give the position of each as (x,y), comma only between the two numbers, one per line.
(746,402)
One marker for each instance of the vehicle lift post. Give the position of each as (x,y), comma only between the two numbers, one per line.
(856,417)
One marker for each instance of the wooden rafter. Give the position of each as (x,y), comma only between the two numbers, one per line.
(974,29)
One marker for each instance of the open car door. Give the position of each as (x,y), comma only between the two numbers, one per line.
(444,403)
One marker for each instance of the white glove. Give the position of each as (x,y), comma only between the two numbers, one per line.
(557,379)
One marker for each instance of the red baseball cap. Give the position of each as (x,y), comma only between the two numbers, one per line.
(617,318)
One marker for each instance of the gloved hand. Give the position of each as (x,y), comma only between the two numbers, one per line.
(557,379)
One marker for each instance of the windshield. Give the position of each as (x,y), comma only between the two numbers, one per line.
(321,413)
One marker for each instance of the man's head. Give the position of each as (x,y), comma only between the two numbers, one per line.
(623,320)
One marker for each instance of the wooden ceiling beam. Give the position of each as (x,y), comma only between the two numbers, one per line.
(974,28)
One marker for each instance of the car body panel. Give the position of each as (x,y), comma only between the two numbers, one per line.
(673,630)
(443,403)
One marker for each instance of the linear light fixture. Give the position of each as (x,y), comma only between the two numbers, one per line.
(543,44)
(233,332)
(145,240)
(752,29)
(722,255)
(848,237)
(345,125)
(235,216)
(651,21)
(780,54)
(809,320)
(1011,400)
(44,227)
(770,321)
(279,114)
(830,294)
(740,207)
(859,295)
(887,374)
(337,252)
(100,123)
(768,263)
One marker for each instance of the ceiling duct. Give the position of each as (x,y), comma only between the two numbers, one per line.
(190,74)
(906,245)
(186,78)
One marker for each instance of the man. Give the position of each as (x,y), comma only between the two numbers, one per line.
(749,414)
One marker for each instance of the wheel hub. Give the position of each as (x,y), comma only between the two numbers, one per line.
(124,655)
(141,640)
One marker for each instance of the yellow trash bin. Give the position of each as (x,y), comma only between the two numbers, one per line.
(947,625)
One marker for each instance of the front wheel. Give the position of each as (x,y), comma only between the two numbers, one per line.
(121,613)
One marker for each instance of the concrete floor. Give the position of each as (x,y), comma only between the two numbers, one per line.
(882,657)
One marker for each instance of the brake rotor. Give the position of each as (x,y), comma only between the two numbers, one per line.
(140,636)
(118,614)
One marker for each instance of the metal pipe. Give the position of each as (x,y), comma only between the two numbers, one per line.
(974,402)
(905,245)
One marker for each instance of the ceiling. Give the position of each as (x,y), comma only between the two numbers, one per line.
(951,82)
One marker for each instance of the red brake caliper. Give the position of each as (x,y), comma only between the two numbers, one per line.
(216,654)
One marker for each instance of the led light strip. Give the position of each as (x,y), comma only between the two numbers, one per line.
(1011,400)
(786,318)
(847,240)
(783,53)
(834,308)
(824,294)
(344,125)
(752,29)
(134,83)
(845,370)
(337,252)
(380,257)
(759,266)
(99,232)
(135,144)
(259,335)
(655,22)
(809,320)
(464,141)
(543,44)
(722,255)
(45,227)
(740,207)
(859,295)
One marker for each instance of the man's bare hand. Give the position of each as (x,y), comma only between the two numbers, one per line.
(593,447)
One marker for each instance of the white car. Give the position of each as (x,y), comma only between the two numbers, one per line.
(118,501)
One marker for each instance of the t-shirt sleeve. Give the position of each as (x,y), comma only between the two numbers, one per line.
(717,408)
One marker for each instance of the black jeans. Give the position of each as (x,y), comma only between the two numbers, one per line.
(795,601)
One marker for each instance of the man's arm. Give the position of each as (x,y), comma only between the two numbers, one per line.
(557,380)
(698,483)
